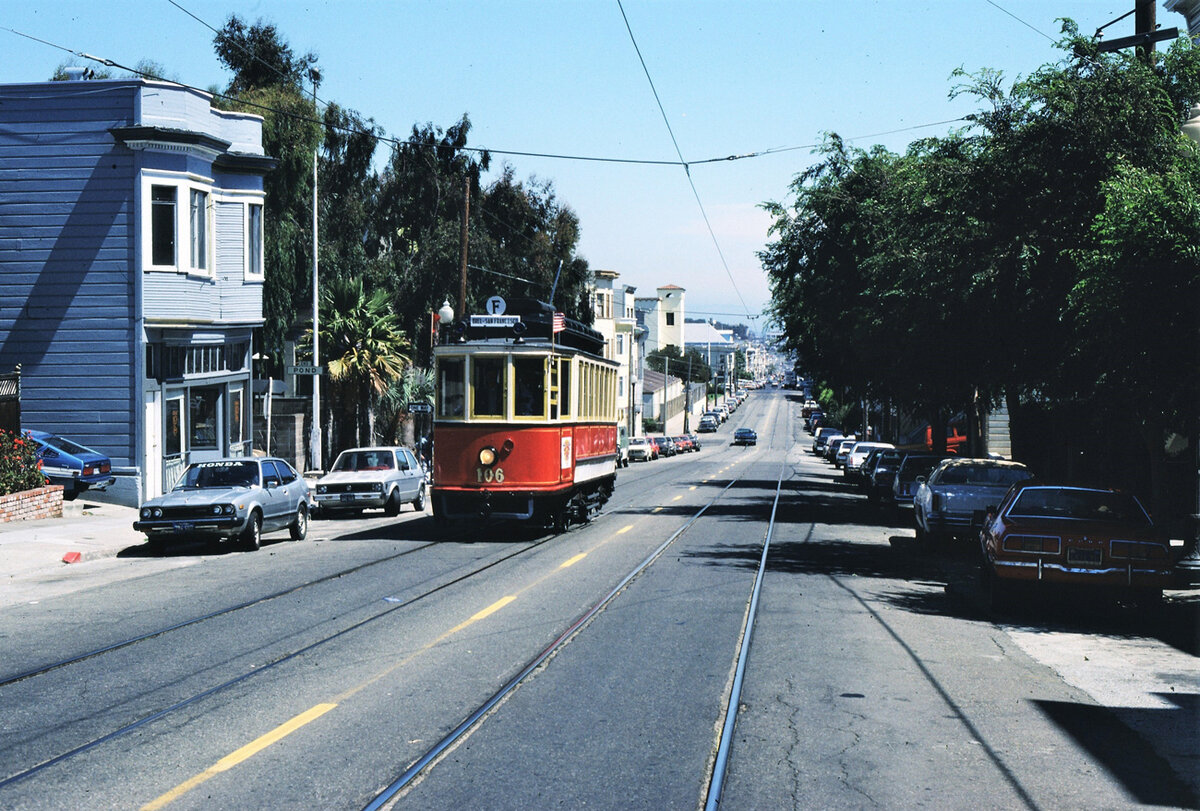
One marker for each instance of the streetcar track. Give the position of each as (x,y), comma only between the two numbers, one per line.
(418,767)
(259,668)
(263,667)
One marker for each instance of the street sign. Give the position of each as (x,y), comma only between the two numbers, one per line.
(306,370)
(494,320)
(420,408)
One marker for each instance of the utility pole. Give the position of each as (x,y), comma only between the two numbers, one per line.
(315,436)
(462,282)
(1144,23)
(1146,32)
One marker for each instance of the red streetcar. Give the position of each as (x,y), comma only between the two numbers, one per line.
(525,418)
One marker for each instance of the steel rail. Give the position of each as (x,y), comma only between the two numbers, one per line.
(717,780)
(256,670)
(475,717)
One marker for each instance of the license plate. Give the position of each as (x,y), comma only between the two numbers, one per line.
(1083,557)
(182,526)
(347,497)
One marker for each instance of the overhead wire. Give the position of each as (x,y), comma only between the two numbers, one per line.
(686,168)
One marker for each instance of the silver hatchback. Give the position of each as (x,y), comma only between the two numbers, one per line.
(231,498)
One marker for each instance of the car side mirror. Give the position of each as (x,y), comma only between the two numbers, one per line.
(271,481)
(403,466)
(920,480)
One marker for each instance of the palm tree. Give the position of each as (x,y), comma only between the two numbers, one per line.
(414,386)
(365,348)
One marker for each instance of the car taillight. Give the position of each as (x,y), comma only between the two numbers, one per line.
(1037,544)
(88,470)
(1137,551)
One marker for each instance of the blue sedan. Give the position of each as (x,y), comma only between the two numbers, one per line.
(72,465)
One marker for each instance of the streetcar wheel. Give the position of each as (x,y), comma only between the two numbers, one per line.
(252,536)
(298,529)
(392,507)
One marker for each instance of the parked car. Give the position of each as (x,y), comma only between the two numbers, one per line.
(1050,536)
(387,477)
(695,442)
(914,465)
(683,443)
(230,498)
(745,436)
(666,446)
(708,424)
(642,449)
(835,445)
(70,464)
(852,467)
(877,481)
(953,499)
(822,436)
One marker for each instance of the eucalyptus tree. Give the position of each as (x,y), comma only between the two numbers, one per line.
(268,80)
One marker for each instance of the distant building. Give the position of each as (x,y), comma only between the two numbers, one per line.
(131,270)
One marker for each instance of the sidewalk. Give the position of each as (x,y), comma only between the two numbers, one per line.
(92,529)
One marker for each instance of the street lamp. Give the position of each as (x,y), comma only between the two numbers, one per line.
(445,315)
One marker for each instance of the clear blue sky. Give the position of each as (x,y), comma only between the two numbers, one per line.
(562,77)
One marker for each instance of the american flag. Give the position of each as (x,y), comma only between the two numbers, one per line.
(560,322)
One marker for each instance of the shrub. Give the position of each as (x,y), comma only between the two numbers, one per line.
(20,468)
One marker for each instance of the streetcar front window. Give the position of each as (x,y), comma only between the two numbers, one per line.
(487,387)
(452,387)
(530,378)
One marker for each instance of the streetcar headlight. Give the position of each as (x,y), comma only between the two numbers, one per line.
(487,456)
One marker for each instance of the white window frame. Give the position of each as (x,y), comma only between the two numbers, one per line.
(184,183)
(248,252)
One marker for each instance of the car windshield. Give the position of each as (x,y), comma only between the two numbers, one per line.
(982,475)
(914,466)
(351,461)
(219,474)
(1083,505)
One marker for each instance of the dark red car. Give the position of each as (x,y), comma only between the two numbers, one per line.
(1053,536)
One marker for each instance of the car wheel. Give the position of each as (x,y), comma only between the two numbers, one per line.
(419,501)
(298,529)
(252,536)
(392,507)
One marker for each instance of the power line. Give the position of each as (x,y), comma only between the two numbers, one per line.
(687,169)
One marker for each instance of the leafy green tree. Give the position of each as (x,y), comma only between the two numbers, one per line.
(688,366)
(364,350)
(268,80)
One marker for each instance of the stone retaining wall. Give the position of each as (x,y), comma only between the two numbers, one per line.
(42,502)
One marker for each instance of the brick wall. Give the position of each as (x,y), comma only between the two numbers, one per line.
(43,502)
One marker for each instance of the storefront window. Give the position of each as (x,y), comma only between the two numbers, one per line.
(202,419)
(173,442)
(235,415)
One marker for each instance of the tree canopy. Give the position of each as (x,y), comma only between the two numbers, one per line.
(1046,253)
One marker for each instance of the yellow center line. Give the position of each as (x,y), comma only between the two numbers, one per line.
(249,750)
(656,510)
(676,498)
(573,561)
(693,487)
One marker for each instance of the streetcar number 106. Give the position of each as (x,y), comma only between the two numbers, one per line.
(489,475)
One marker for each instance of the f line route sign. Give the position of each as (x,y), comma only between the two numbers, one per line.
(306,370)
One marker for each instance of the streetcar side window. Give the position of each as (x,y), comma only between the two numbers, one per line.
(488,391)
(530,386)
(451,383)
(564,387)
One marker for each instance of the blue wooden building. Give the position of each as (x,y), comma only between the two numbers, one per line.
(131,270)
